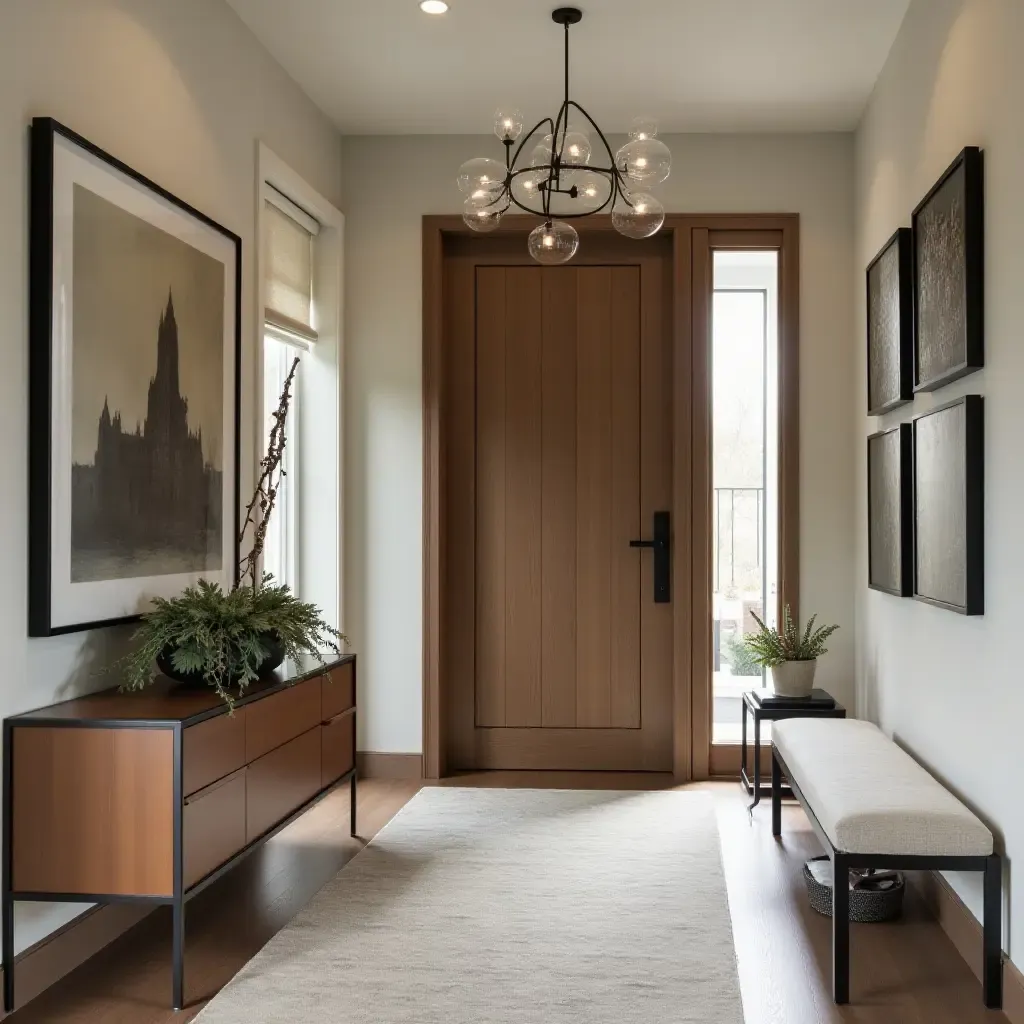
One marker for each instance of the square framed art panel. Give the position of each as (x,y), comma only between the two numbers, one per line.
(890,319)
(949,506)
(949,275)
(891,511)
(135,335)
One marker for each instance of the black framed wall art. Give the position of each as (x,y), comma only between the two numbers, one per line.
(949,275)
(135,338)
(890,319)
(949,506)
(891,511)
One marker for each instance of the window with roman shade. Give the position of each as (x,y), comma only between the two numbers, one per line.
(288,244)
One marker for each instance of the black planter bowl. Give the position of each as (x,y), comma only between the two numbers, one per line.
(272,661)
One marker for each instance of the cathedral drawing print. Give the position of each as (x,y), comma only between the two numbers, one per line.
(150,502)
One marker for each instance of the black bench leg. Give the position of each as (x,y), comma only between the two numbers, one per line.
(776,795)
(993,939)
(840,929)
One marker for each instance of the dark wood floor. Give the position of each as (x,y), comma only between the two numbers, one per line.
(906,973)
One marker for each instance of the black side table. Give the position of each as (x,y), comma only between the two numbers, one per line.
(766,706)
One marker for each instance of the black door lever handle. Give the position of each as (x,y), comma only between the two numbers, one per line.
(660,543)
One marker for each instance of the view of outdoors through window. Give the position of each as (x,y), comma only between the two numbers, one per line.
(279,549)
(744,506)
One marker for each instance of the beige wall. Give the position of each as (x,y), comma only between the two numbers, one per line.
(945,686)
(180,90)
(389,183)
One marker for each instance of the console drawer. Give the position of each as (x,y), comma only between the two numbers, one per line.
(339,690)
(213,826)
(281,781)
(211,750)
(275,720)
(338,755)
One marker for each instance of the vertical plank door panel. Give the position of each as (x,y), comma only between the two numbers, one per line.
(459,496)
(558,529)
(593,508)
(523,461)
(490,497)
(624,499)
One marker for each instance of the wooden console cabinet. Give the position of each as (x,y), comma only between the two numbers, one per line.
(150,797)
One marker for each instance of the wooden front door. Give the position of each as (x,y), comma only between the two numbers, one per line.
(558,429)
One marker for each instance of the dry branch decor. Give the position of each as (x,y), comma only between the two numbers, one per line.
(229,639)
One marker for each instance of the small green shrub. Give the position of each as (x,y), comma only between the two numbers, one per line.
(740,660)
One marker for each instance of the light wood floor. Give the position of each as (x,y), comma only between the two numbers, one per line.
(906,973)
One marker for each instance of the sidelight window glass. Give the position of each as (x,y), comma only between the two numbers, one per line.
(744,501)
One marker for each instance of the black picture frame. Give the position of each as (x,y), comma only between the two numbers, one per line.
(949,506)
(46,134)
(949,275)
(890,290)
(891,496)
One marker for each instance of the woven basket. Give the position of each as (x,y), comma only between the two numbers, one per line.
(869,903)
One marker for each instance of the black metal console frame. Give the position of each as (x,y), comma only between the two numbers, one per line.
(842,860)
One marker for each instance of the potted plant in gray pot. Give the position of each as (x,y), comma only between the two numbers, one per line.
(789,654)
(229,639)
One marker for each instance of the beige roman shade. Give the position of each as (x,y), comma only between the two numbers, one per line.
(288,234)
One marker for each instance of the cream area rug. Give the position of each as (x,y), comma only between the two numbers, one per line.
(501,906)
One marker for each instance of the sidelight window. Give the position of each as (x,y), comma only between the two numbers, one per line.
(745,503)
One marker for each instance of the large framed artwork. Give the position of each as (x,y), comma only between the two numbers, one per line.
(134,358)
(891,511)
(890,315)
(949,506)
(949,275)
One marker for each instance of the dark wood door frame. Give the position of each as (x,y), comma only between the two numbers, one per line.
(693,237)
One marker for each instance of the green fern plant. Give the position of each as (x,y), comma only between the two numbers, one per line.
(225,637)
(770,647)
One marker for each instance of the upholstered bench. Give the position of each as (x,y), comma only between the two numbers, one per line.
(874,806)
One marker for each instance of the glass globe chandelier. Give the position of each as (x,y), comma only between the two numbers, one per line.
(556,179)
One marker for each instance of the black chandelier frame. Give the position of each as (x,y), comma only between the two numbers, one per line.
(552,184)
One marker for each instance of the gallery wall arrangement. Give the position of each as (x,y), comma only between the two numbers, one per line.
(949,506)
(891,511)
(925,329)
(890,319)
(949,275)
(135,335)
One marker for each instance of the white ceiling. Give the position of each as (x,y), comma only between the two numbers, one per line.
(384,67)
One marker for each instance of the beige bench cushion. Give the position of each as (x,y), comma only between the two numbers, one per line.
(870,796)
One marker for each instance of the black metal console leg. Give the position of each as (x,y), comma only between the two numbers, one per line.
(776,796)
(757,766)
(8,940)
(7,908)
(840,929)
(352,802)
(178,956)
(993,937)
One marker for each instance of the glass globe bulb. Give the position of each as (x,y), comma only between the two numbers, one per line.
(481,173)
(645,161)
(639,215)
(592,189)
(526,189)
(508,124)
(554,242)
(541,156)
(643,128)
(576,149)
(482,212)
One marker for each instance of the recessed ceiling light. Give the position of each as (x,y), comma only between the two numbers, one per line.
(433,7)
